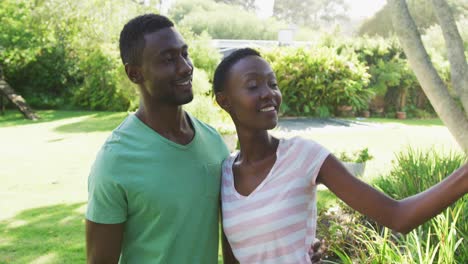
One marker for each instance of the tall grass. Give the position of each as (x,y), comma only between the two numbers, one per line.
(415,171)
(441,240)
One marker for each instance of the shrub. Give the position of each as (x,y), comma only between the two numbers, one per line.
(222,21)
(391,77)
(312,79)
(109,90)
(358,156)
(44,47)
(204,56)
(203,105)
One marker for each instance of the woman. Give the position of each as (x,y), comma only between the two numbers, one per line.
(268,187)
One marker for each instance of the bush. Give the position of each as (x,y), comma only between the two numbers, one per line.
(109,90)
(44,48)
(359,156)
(203,105)
(222,21)
(317,81)
(204,56)
(393,82)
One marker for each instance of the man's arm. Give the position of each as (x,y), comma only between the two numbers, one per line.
(103,242)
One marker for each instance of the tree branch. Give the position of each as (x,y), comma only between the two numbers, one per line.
(435,89)
(455,50)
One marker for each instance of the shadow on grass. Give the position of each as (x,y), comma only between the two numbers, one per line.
(104,121)
(53,234)
(15,118)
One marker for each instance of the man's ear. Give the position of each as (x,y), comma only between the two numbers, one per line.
(134,73)
(223,101)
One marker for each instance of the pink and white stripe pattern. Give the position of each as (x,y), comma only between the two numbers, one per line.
(276,223)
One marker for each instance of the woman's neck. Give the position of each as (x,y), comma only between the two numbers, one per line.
(256,146)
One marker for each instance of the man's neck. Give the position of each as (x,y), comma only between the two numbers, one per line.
(170,122)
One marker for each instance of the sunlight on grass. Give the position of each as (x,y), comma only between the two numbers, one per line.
(93,123)
(41,240)
(48,258)
(15,118)
(17,223)
(410,122)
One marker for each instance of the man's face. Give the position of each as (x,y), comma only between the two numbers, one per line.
(166,68)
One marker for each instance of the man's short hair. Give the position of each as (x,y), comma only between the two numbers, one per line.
(226,64)
(132,41)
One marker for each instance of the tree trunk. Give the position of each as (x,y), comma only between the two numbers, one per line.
(453,117)
(18,100)
(455,50)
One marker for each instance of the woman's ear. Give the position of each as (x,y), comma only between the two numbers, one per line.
(223,101)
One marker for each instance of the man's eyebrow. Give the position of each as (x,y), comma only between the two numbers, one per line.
(173,49)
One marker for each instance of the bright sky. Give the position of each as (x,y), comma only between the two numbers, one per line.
(358,8)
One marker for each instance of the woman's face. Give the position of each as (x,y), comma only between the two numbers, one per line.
(252,96)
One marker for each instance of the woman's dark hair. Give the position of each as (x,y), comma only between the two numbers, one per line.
(226,64)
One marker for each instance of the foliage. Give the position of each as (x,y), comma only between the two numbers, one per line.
(416,171)
(45,44)
(391,77)
(312,79)
(203,55)
(381,23)
(248,5)
(434,43)
(203,105)
(110,90)
(222,21)
(310,13)
(362,241)
(357,239)
(359,156)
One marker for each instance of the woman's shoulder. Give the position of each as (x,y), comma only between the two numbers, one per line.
(227,163)
(303,142)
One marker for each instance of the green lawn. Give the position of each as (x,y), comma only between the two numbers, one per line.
(44,168)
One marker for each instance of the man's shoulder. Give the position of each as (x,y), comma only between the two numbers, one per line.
(204,127)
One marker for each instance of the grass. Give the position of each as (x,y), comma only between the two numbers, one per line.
(44,168)
(51,234)
(409,122)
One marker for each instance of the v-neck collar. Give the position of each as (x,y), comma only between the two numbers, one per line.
(264,181)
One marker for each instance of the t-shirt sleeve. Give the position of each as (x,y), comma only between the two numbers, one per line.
(315,155)
(107,203)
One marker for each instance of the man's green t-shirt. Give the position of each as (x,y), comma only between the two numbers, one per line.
(167,194)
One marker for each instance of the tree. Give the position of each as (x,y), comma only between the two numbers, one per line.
(248,5)
(310,13)
(16,99)
(422,13)
(454,116)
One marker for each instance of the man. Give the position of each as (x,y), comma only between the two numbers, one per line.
(154,187)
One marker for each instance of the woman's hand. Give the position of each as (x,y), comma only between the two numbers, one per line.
(317,251)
